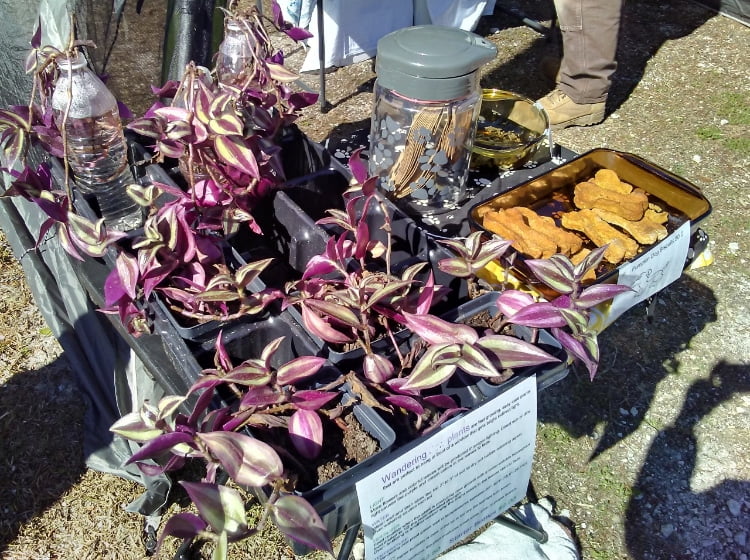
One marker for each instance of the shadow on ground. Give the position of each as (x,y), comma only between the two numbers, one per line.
(663,489)
(638,351)
(645,26)
(41,450)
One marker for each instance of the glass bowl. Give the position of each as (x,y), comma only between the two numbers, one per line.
(510,129)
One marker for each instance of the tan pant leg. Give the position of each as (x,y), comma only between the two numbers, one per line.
(589,34)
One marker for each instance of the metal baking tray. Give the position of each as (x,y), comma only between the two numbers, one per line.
(552,193)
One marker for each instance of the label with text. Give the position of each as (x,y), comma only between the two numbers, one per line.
(454,482)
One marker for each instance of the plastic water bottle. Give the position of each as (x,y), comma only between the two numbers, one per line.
(235,59)
(97,151)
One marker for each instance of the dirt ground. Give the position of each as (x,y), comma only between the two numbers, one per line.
(649,460)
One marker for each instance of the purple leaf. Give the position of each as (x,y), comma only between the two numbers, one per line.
(357,166)
(511,301)
(513,352)
(306,433)
(221,358)
(298,369)
(578,350)
(159,445)
(456,266)
(183,526)
(434,330)
(114,291)
(234,151)
(152,469)
(441,401)
(318,266)
(222,507)
(555,273)
(377,368)
(321,328)
(247,460)
(298,520)
(261,396)
(599,293)
(541,315)
(127,269)
(312,400)
(407,403)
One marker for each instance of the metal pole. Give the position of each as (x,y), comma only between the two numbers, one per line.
(321,56)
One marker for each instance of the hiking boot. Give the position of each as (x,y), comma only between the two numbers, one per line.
(564,112)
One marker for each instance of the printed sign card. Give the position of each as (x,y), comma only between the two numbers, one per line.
(452,483)
(652,272)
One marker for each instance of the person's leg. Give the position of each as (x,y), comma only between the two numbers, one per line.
(589,33)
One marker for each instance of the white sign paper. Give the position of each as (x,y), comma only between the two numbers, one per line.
(454,482)
(653,272)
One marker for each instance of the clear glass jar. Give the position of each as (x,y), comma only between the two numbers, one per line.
(420,149)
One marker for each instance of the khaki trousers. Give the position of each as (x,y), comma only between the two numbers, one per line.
(589,36)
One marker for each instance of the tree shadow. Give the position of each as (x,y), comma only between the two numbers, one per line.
(638,351)
(664,504)
(644,28)
(41,449)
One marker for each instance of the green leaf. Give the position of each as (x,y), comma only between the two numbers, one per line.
(280,73)
(132,427)
(221,507)
(236,153)
(226,124)
(298,520)
(250,271)
(435,366)
(218,295)
(338,312)
(475,362)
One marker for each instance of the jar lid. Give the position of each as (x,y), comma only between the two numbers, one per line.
(431,62)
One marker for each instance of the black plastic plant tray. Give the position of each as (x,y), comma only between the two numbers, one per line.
(242,340)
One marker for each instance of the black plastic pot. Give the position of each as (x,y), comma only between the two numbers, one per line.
(242,340)
(336,500)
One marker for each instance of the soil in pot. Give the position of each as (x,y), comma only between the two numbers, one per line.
(346,443)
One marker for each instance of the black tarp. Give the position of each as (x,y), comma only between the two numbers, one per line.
(111,378)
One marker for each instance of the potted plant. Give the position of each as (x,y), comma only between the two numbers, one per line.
(227,137)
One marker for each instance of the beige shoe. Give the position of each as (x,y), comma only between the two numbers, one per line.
(564,112)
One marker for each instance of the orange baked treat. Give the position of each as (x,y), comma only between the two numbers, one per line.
(566,241)
(608,179)
(656,213)
(538,241)
(619,245)
(495,222)
(631,206)
(644,231)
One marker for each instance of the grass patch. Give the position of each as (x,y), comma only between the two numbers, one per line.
(709,133)
(733,108)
